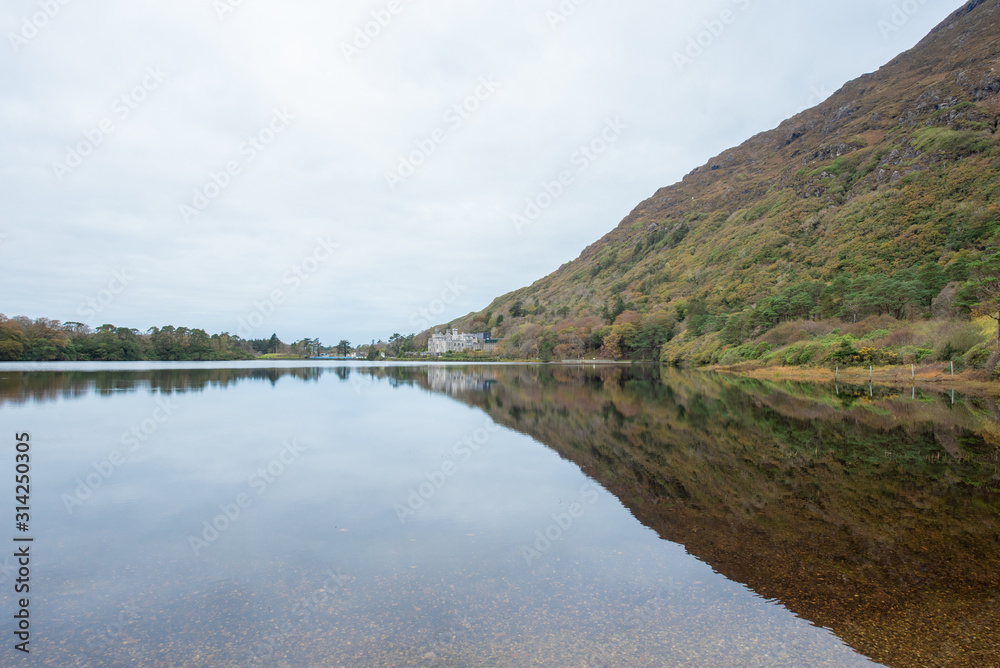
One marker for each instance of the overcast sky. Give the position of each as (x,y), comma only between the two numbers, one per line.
(194,162)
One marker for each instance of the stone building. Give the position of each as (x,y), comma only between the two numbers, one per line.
(453,341)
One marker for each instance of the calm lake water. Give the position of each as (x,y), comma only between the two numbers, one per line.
(321,515)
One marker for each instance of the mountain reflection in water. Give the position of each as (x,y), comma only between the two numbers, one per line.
(872,512)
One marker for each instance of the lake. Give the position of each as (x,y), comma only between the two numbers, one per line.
(327,514)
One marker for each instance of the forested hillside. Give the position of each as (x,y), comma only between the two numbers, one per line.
(882,202)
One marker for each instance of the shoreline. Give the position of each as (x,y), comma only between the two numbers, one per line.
(933,377)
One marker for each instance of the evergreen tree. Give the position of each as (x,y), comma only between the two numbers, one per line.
(981,294)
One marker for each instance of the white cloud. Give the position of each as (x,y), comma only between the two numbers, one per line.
(325,175)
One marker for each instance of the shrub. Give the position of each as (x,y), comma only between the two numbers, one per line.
(758,211)
(785,333)
(948,354)
(11,351)
(952,142)
(847,355)
(871,323)
(875,334)
(845,352)
(977,357)
(965,337)
(596,339)
(730,356)
(877,357)
(808,353)
(791,355)
(900,337)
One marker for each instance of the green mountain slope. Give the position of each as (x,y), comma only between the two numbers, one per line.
(871,203)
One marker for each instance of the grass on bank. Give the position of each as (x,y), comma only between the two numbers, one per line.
(879,341)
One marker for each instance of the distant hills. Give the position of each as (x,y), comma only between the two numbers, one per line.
(874,203)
